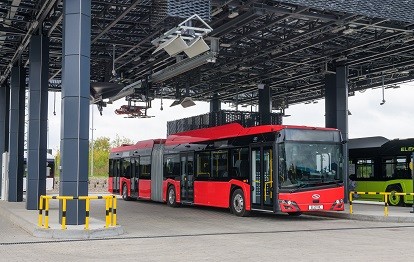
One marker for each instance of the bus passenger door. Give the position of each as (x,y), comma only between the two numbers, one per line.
(117,174)
(187,177)
(134,177)
(261,177)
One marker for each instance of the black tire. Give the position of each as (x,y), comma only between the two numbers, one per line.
(238,203)
(171,197)
(394,200)
(125,192)
(294,214)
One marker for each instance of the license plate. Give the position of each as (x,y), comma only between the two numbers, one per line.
(315,207)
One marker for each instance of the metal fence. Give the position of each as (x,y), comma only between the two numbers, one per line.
(246,119)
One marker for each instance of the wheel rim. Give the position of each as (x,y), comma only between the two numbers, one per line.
(238,203)
(124,192)
(171,196)
(394,199)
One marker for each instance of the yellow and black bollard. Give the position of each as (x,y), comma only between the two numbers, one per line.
(40,217)
(107,218)
(386,204)
(114,211)
(87,206)
(46,225)
(63,213)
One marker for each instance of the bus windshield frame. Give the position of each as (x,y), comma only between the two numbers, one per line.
(307,165)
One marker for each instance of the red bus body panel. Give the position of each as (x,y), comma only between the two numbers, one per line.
(110,185)
(211,193)
(165,184)
(126,181)
(232,130)
(217,194)
(304,200)
(144,188)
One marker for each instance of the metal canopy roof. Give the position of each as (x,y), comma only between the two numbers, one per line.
(290,45)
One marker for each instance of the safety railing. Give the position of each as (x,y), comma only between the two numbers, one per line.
(385,194)
(110,209)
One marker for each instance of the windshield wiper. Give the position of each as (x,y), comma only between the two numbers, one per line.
(313,183)
(300,186)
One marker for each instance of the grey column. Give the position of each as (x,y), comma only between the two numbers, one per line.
(37,133)
(75,106)
(330,100)
(265,105)
(215,107)
(16,133)
(336,107)
(215,103)
(4,121)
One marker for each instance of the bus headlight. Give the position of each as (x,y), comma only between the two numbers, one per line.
(288,205)
(339,201)
(338,205)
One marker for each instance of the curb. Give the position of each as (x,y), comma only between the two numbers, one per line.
(77,233)
(17,220)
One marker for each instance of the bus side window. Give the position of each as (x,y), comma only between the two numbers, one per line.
(240,163)
(203,165)
(111,167)
(126,168)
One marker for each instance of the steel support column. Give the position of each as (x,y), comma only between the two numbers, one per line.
(336,111)
(265,104)
(215,106)
(4,122)
(37,133)
(16,133)
(75,106)
(215,103)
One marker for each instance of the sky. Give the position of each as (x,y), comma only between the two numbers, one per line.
(393,119)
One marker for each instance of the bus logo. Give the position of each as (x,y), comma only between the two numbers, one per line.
(316,196)
(407,149)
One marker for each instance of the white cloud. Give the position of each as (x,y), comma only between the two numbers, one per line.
(394,119)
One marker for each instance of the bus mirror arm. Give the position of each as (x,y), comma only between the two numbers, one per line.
(344,142)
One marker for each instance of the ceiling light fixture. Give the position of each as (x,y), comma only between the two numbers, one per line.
(233,14)
(184,37)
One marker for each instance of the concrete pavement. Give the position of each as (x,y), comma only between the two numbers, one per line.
(27,219)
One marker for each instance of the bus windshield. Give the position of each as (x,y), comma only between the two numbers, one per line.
(305,165)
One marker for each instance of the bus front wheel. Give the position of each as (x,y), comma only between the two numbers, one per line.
(395,200)
(238,203)
(171,197)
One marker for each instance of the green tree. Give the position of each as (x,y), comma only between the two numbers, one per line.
(102,144)
(101,149)
(57,164)
(118,141)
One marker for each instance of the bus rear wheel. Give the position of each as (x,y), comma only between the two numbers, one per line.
(395,200)
(125,193)
(238,203)
(171,197)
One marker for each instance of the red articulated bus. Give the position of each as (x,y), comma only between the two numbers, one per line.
(278,168)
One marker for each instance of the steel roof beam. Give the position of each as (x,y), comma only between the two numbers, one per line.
(116,20)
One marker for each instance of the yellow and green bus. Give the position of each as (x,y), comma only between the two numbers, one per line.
(377,164)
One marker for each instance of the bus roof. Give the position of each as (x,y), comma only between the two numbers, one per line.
(367,142)
(228,131)
(139,145)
